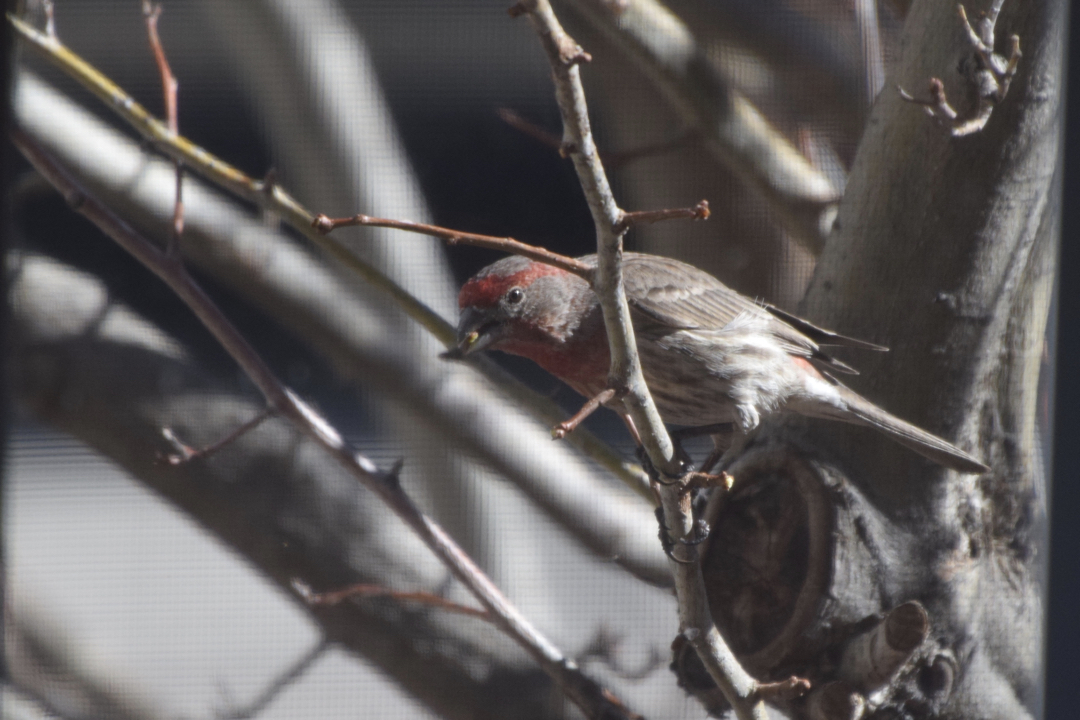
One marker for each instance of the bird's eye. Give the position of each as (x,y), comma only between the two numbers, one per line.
(515,295)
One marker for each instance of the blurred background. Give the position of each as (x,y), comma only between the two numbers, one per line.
(126,596)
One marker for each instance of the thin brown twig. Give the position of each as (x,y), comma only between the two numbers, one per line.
(647,217)
(586,271)
(593,699)
(324,224)
(568,426)
(185,453)
(366,590)
(169,88)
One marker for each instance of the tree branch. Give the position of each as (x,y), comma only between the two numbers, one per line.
(275,200)
(594,700)
(267,268)
(92,367)
(696,623)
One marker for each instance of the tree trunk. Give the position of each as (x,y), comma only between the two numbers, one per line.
(944,250)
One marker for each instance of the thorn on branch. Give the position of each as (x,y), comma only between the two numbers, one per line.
(516,121)
(937,106)
(393,475)
(269,182)
(644,217)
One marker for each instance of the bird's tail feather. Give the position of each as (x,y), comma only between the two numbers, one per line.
(861,411)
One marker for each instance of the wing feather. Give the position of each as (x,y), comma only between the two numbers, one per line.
(679,296)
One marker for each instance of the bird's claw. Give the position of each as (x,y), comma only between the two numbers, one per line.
(698,535)
(654,474)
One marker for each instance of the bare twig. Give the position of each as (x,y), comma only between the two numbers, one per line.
(366,590)
(593,699)
(325,224)
(992,77)
(646,217)
(185,453)
(696,622)
(169,87)
(584,270)
(568,426)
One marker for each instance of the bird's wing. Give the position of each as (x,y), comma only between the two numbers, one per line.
(820,335)
(681,296)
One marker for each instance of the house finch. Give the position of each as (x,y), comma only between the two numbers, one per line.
(709,354)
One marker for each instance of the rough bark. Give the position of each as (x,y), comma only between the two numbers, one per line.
(943,250)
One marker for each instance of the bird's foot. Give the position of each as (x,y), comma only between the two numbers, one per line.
(654,474)
(698,535)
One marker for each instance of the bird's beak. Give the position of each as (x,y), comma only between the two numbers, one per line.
(476,332)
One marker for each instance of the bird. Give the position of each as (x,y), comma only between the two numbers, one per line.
(710,356)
